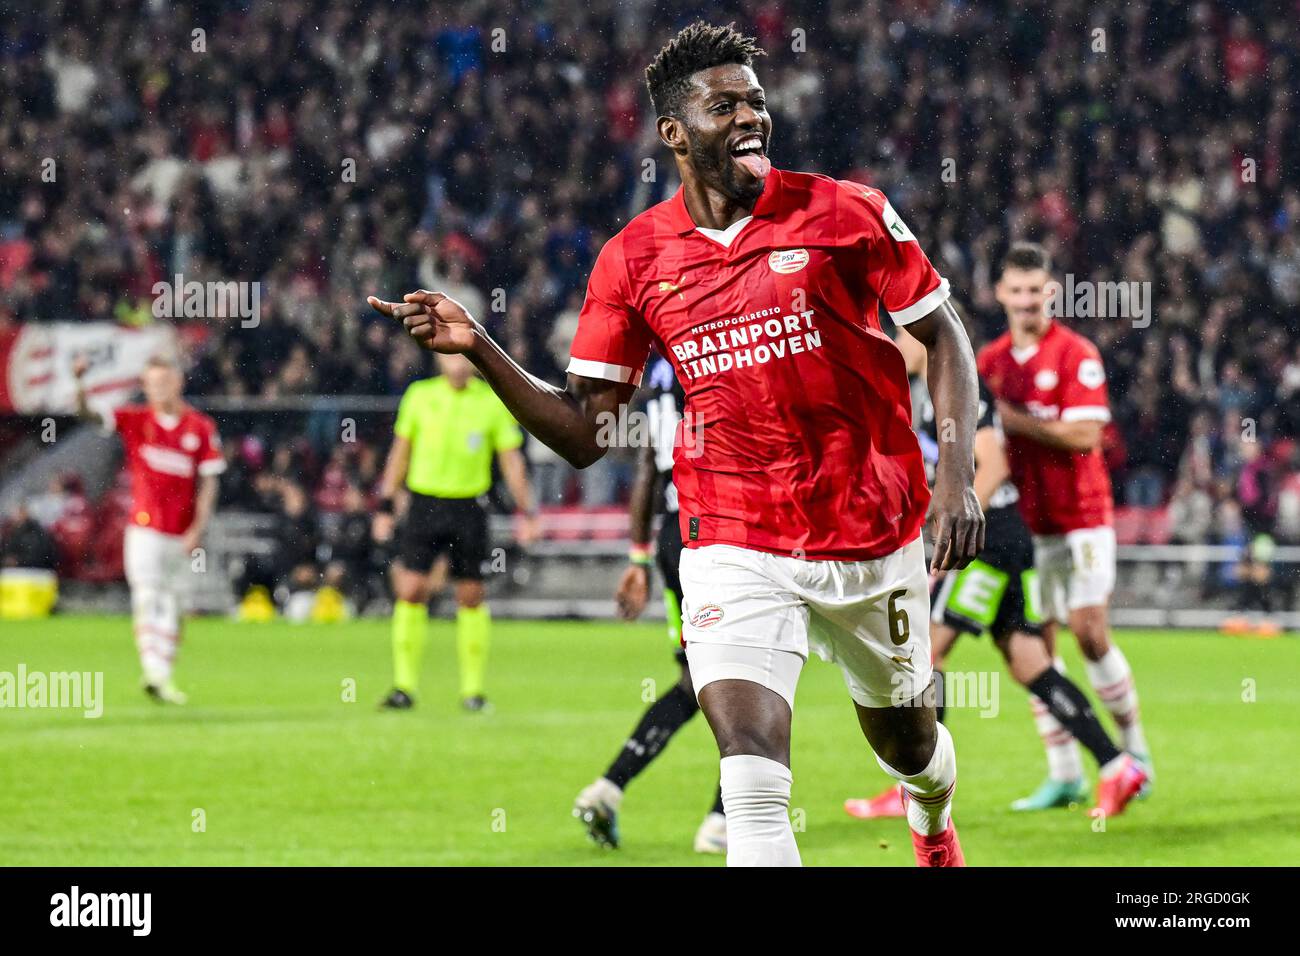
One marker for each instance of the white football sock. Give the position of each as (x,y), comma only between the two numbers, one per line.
(756,796)
(1064,762)
(929,804)
(608,791)
(156,618)
(1113,681)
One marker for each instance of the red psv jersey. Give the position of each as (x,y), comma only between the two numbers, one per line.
(797,437)
(1060,379)
(166,458)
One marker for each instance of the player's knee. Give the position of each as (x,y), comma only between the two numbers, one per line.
(470,594)
(1025,655)
(1093,635)
(754,744)
(911,754)
(750,737)
(412,588)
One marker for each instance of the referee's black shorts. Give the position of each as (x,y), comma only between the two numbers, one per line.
(668,553)
(457,527)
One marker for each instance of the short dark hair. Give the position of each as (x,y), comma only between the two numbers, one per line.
(697,47)
(1027,256)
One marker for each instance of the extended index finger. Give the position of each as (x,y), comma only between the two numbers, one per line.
(942,543)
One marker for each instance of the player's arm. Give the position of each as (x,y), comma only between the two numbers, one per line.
(515,474)
(566,419)
(991,466)
(205,503)
(634,586)
(1084,407)
(954,393)
(84,411)
(395,467)
(1084,435)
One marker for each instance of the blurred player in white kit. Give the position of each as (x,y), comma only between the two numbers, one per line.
(174,456)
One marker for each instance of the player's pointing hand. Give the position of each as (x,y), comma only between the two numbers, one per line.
(436,322)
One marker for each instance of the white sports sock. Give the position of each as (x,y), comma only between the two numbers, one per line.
(607,790)
(1113,681)
(1064,762)
(929,806)
(156,619)
(756,796)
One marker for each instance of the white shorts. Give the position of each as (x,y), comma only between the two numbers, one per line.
(1075,570)
(750,615)
(156,561)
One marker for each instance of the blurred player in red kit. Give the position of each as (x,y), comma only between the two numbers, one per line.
(802,500)
(1051,391)
(174,456)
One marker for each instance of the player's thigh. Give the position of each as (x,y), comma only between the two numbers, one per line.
(418,537)
(144,558)
(1092,560)
(467,537)
(741,620)
(1053,566)
(747,717)
(159,570)
(1026,655)
(876,627)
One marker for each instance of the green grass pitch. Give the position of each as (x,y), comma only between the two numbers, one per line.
(285,770)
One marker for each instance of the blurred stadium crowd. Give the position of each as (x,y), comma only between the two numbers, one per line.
(1152,151)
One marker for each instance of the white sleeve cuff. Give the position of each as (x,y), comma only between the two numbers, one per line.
(604,370)
(213,466)
(1086,413)
(922,306)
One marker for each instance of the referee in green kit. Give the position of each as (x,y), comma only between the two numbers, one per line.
(447,430)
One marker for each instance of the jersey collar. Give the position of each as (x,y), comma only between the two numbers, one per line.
(766,204)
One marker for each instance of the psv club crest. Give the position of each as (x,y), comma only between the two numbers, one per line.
(706,616)
(786,261)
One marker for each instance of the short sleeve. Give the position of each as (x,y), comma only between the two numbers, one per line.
(211,461)
(909,287)
(506,433)
(613,340)
(125,420)
(1083,386)
(404,427)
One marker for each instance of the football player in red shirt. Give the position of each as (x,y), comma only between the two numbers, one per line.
(174,456)
(1051,388)
(801,488)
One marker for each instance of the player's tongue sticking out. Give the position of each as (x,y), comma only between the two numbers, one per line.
(757,164)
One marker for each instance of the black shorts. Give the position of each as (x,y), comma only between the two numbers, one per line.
(668,553)
(668,556)
(998,591)
(457,527)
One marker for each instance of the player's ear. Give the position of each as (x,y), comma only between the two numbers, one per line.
(671,133)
